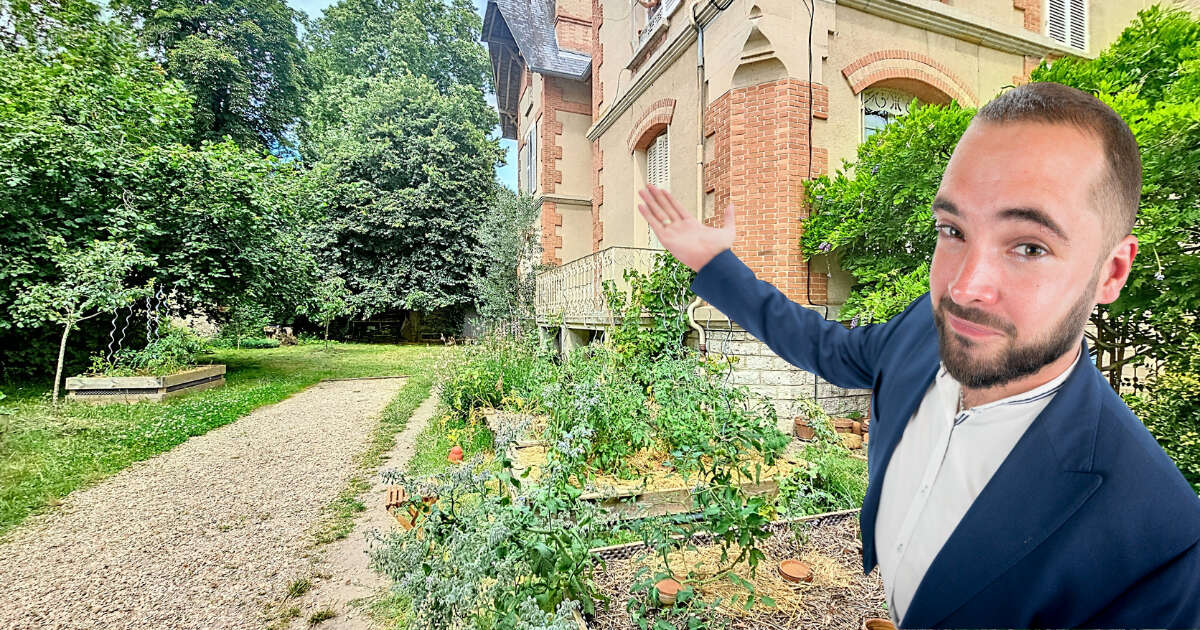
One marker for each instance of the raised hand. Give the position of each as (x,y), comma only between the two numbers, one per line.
(692,242)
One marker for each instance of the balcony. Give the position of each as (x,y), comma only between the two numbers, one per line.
(574,290)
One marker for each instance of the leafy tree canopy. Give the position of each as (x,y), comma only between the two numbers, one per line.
(438,39)
(407,173)
(241,60)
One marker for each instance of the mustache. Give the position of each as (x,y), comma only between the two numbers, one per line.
(979,318)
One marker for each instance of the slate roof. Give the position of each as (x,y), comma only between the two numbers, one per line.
(531,24)
(519,34)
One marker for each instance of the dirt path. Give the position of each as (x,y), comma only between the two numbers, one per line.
(206,535)
(350,579)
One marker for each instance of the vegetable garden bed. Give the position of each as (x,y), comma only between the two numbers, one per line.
(655,490)
(111,389)
(839,595)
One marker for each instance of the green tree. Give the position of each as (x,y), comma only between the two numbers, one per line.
(330,300)
(398,138)
(438,39)
(408,173)
(93,280)
(874,215)
(241,60)
(504,282)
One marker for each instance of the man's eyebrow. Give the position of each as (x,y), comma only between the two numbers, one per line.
(1032,215)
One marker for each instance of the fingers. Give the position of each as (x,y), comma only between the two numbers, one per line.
(670,205)
(656,224)
(653,207)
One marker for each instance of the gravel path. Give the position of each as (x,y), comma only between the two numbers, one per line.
(203,536)
(347,579)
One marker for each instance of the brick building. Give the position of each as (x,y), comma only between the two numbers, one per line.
(737,101)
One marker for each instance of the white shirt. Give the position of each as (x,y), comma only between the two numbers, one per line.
(940,465)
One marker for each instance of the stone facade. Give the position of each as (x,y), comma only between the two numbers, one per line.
(762,371)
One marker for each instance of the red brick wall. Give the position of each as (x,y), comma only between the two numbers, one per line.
(760,161)
(1033,13)
(882,64)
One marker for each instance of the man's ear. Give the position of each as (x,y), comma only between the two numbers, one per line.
(1115,270)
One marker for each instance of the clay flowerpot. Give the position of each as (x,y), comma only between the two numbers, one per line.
(856,427)
(801,429)
(878,624)
(456,454)
(667,589)
(793,570)
(843,425)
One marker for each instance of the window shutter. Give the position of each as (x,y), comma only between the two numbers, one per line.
(658,172)
(658,162)
(1078,24)
(1067,22)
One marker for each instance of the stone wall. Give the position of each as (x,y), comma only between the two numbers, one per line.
(763,372)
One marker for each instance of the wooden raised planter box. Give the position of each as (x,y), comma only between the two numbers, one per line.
(110,389)
(634,498)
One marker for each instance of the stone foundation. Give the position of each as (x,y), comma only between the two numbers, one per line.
(763,372)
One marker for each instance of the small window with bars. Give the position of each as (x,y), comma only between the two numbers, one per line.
(658,172)
(1067,22)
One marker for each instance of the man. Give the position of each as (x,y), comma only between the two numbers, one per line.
(1009,485)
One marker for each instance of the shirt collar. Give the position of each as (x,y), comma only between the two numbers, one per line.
(950,388)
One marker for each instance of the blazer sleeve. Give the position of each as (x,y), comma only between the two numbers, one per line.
(847,358)
(1169,597)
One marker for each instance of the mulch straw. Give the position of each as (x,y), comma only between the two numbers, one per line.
(839,596)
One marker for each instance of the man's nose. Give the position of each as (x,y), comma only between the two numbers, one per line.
(978,278)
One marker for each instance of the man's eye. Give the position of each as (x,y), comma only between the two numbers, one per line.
(939,227)
(1031,246)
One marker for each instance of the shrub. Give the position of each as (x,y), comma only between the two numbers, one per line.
(499,367)
(1170,409)
(174,350)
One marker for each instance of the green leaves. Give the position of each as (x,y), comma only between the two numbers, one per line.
(864,211)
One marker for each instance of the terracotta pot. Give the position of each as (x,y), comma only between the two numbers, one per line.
(456,454)
(801,429)
(856,427)
(667,589)
(878,624)
(843,425)
(793,570)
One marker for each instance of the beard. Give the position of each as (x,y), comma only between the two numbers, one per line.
(965,360)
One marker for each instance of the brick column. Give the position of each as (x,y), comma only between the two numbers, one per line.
(760,161)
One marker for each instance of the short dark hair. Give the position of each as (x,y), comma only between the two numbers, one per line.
(1118,195)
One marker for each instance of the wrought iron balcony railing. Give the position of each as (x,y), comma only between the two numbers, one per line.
(575,291)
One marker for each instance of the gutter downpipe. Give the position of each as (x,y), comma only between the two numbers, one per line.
(702,90)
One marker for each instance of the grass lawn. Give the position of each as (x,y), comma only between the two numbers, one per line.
(46,453)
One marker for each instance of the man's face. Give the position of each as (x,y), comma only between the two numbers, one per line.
(1018,249)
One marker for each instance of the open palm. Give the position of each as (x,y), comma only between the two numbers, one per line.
(692,242)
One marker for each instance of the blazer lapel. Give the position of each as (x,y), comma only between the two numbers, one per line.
(1043,481)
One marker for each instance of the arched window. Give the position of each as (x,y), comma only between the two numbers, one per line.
(882,105)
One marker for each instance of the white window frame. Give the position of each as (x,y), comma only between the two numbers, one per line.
(1075,15)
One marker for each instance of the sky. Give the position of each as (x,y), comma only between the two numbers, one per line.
(507,174)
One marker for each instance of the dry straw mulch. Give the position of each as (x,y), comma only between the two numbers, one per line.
(839,596)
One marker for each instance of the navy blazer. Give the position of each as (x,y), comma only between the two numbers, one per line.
(1087,522)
